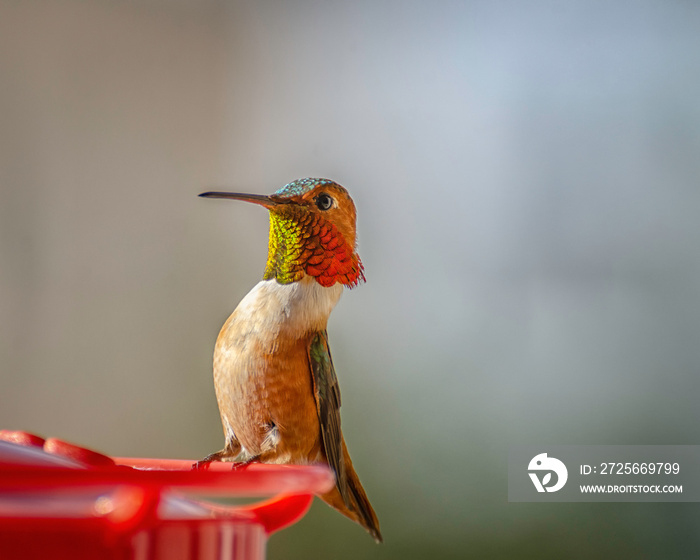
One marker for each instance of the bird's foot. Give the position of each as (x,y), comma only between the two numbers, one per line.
(203,465)
(242,465)
(220,456)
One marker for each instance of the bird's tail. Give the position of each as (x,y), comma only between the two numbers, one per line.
(359,509)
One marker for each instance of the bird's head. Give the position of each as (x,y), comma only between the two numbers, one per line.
(312,232)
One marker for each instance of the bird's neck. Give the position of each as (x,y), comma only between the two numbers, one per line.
(292,309)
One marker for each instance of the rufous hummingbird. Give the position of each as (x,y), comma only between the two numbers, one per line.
(275,383)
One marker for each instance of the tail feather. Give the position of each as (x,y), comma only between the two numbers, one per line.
(359,509)
(367,516)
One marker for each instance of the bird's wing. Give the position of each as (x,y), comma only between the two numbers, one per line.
(327,395)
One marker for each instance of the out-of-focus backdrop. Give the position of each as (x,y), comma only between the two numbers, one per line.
(527,178)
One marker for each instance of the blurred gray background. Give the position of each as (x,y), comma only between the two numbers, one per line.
(526,177)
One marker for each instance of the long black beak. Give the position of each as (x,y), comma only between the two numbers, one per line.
(261,199)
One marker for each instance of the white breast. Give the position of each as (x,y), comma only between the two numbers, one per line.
(272,309)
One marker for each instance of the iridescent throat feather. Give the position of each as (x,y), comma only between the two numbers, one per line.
(302,241)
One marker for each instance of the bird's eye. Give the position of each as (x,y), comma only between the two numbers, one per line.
(323,201)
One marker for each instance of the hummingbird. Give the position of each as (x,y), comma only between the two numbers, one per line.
(275,383)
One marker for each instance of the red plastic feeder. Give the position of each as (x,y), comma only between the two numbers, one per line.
(59,501)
